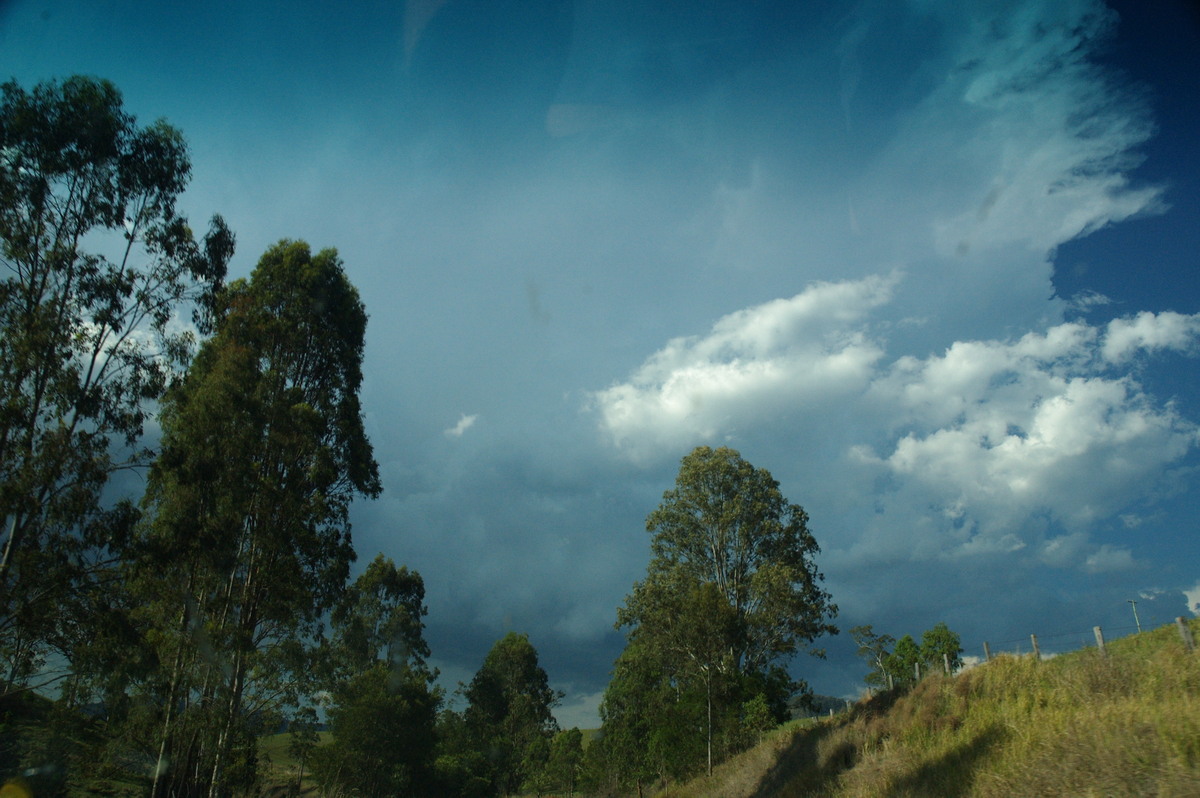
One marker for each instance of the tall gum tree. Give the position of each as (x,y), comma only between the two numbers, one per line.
(383,703)
(248,542)
(509,708)
(727,523)
(732,590)
(97,270)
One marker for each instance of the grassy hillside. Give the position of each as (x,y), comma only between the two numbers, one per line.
(279,769)
(1082,724)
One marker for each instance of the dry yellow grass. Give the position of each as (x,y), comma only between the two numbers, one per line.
(1082,724)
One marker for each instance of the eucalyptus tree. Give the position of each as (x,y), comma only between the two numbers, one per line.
(941,647)
(383,703)
(98,273)
(732,590)
(873,648)
(565,761)
(248,540)
(646,721)
(685,627)
(904,661)
(509,710)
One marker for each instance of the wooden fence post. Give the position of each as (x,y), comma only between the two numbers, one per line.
(1186,633)
(1099,639)
(987,652)
(1037,652)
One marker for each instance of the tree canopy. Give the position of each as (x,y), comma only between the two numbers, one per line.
(726,524)
(99,275)
(940,647)
(731,593)
(248,534)
(873,648)
(384,706)
(509,711)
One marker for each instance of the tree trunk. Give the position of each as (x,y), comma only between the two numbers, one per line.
(9,544)
(709,686)
(242,648)
(224,739)
(164,750)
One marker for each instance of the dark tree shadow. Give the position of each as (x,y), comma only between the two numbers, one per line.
(951,775)
(797,762)
(799,767)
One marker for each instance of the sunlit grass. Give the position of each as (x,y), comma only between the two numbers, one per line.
(744,774)
(277,767)
(1125,723)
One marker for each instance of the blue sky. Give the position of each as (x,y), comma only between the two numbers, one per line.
(933,265)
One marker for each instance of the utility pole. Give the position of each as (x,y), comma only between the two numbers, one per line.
(1135,615)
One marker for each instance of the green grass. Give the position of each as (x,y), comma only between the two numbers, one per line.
(588,736)
(1081,724)
(762,771)
(278,769)
(275,746)
(59,751)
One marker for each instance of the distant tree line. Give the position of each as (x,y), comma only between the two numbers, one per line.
(219,606)
(899,663)
(179,628)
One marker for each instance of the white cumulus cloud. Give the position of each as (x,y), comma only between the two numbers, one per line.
(1151,332)
(754,361)
(465,422)
(982,447)
(1193,599)
(1010,431)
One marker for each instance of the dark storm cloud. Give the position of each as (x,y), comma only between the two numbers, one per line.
(593,234)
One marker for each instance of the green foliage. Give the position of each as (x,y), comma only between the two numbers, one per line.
(97,265)
(554,765)
(303,737)
(247,542)
(534,766)
(379,618)
(594,774)
(384,708)
(631,712)
(726,523)
(461,768)
(939,646)
(565,761)
(53,748)
(757,719)
(903,661)
(874,649)
(381,723)
(503,733)
(731,593)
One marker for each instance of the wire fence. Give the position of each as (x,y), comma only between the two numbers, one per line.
(1043,647)
(1047,646)
(1054,644)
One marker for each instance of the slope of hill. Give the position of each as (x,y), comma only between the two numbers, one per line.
(1122,723)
